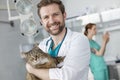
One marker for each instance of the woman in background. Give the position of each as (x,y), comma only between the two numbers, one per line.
(97,64)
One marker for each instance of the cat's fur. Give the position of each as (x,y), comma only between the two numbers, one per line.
(38,59)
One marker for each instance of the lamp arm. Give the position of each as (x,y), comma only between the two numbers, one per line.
(9,14)
(15,1)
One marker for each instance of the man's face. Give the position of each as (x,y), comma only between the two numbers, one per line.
(52,19)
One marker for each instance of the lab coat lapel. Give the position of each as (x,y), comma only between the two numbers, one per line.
(62,51)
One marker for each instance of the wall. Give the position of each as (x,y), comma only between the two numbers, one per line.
(12,67)
(113,48)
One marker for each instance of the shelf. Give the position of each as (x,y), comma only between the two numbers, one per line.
(92,18)
(110,15)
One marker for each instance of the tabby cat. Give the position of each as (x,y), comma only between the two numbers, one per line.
(39,59)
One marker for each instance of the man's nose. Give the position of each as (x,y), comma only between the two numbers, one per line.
(51,20)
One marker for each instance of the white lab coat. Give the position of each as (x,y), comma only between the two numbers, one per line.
(76,63)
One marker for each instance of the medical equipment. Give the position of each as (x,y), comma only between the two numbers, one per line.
(28,26)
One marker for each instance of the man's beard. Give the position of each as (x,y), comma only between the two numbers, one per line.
(61,27)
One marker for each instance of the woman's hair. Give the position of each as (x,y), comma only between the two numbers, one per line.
(43,3)
(88,26)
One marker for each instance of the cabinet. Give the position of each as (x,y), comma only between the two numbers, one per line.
(114,71)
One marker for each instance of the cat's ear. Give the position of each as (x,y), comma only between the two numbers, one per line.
(36,46)
(23,54)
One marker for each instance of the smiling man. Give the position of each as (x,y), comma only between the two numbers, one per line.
(62,42)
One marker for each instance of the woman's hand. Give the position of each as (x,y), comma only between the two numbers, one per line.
(106,37)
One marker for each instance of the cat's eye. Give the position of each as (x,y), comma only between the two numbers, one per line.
(36,57)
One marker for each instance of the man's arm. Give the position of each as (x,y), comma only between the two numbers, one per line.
(40,73)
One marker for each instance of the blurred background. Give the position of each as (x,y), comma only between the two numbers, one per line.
(15,38)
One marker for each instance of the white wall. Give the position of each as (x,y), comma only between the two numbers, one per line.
(12,67)
(113,48)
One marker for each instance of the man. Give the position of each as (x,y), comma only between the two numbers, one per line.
(62,42)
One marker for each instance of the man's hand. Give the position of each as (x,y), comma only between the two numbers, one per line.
(40,73)
(29,68)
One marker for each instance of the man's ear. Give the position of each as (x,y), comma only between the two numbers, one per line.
(64,15)
(40,23)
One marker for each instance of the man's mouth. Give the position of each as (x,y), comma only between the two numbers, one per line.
(54,26)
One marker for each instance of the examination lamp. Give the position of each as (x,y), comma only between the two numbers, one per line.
(28,25)
(24,6)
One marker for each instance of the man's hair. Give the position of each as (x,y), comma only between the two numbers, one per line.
(43,3)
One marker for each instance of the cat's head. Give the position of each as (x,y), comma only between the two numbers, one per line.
(35,56)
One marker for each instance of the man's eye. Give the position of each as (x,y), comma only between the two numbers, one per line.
(46,17)
(56,14)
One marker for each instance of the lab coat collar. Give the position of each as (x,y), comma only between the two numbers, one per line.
(67,38)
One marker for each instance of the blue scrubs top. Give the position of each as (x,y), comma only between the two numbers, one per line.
(54,52)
